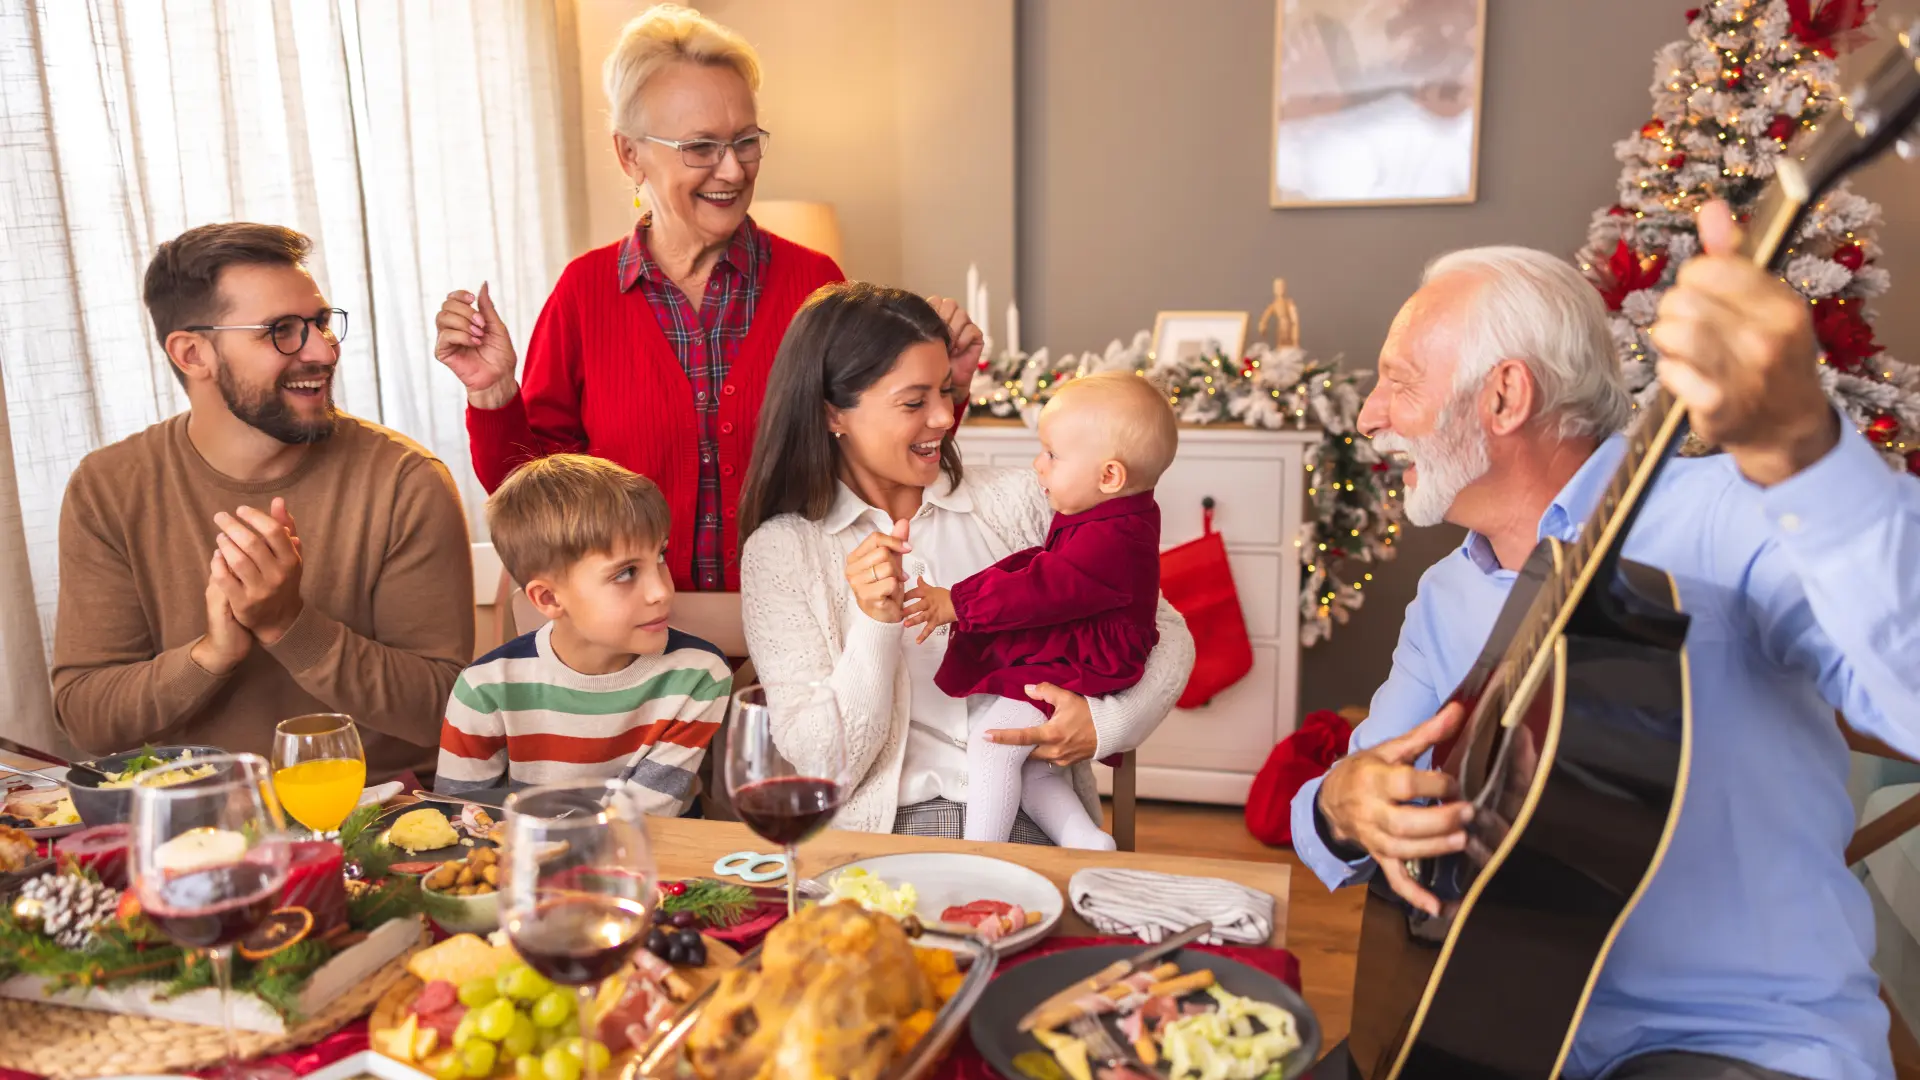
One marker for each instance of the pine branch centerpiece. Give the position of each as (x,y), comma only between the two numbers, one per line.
(67,932)
(1355,494)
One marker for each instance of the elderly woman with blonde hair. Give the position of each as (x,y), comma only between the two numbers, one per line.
(653,352)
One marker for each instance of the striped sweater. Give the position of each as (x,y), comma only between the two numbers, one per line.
(520,716)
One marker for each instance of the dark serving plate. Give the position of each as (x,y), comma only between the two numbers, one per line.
(112,806)
(995,1022)
(449,807)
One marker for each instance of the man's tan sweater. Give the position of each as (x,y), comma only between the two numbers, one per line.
(387,584)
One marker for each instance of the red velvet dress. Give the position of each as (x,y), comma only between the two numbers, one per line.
(1077,612)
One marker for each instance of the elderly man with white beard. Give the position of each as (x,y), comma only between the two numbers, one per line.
(1797,555)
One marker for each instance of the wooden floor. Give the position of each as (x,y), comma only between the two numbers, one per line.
(1323,928)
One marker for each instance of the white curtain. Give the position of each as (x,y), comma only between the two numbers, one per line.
(420,143)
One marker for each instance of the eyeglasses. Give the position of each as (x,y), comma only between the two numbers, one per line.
(706,153)
(290,331)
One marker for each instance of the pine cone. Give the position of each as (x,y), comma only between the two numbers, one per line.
(71,907)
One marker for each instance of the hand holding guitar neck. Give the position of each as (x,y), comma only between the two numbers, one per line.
(1737,349)
(1368,800)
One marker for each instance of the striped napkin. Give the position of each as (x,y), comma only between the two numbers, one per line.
(1149,906)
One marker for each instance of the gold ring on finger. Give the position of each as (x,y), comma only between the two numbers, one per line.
(875,571)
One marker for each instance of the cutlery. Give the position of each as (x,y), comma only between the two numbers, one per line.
(51,759)
(1061,1007)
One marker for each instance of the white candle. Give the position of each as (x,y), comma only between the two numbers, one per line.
(980,320)
(1013,328)
(973,291)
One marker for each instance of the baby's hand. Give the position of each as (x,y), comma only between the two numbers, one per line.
(928,608)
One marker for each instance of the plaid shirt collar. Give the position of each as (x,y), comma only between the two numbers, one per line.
(742,254)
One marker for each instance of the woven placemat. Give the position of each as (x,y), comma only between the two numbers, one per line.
(69,1043)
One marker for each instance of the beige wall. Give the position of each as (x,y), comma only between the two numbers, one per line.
(901,115)
(1143,186)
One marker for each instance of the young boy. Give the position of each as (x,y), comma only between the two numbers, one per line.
(605,689)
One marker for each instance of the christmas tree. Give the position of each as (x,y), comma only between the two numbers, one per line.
(1728,99)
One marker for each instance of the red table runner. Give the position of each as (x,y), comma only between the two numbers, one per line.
(964,1063)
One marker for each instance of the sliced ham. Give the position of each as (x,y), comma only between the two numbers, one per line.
(435,996)
(442,1021)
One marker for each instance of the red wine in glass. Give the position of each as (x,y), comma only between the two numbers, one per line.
(786,765)
(213,908)
(568,940)
(787,810)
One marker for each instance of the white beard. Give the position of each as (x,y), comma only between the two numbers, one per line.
(1454,456)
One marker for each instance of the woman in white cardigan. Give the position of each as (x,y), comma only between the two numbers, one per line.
(855,493)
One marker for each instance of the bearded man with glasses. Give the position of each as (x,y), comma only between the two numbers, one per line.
(261,555)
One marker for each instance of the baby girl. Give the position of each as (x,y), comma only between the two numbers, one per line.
(1077,612)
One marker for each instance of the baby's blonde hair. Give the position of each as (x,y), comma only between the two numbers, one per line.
(1139,421)
(661,35)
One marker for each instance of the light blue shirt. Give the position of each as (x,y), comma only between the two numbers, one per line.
(1754,939)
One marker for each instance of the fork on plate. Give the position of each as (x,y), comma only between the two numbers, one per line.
(1102,1047)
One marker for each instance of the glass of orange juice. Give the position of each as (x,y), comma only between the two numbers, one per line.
(319,769)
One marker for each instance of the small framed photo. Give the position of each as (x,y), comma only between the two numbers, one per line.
(1184,335)
(1376,102)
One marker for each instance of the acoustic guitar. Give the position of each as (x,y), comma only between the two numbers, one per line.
(1575,748)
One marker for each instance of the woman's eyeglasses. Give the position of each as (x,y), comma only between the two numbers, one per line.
(289,332)
(707,153)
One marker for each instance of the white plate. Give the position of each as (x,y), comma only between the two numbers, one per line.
(949,879)
(367,1063)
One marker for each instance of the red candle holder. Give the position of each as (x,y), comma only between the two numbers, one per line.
(315,881)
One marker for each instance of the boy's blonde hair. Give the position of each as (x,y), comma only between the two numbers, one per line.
(554,511)
(661,35)
(1138,418)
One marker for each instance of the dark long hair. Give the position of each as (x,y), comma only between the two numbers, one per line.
(845,338)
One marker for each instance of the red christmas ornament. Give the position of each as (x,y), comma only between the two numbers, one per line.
(1652,128)
(1627,272)
(1676,161)
(983,363)
(1693,13)
(1843,333)
(675,888)
(1733,76)
(1337,553)
(1780,127)
(1883,428)
(1618,211)
(1381,466)
(1913,462)
(1852,256)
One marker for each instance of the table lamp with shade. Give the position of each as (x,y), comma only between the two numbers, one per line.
(810,224)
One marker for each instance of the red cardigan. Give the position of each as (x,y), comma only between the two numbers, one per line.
(601,379)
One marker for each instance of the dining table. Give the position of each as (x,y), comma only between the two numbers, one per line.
(689,848)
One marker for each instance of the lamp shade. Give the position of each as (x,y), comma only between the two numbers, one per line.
(810,224)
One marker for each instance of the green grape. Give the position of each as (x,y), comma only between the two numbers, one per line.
(505,978)
(528,1067)
(519,1041)
(478,1057)
(495,1019)
(477,992)
(597,1048)
(554,1008)
(560,1065)
(448,1066)
(549,1038)
(522,983)
(464,1032)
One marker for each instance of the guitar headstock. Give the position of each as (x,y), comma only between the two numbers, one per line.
(1883,114)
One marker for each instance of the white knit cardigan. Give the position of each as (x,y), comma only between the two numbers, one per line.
(802,625)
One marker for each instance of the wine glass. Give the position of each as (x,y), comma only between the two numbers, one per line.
(786,765)
(319,769)
(210,855)
(577,886)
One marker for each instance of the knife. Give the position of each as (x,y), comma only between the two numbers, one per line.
(1061,1007)
(41,755)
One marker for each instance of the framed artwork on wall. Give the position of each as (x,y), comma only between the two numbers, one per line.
(1185,335)
(1376,102)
